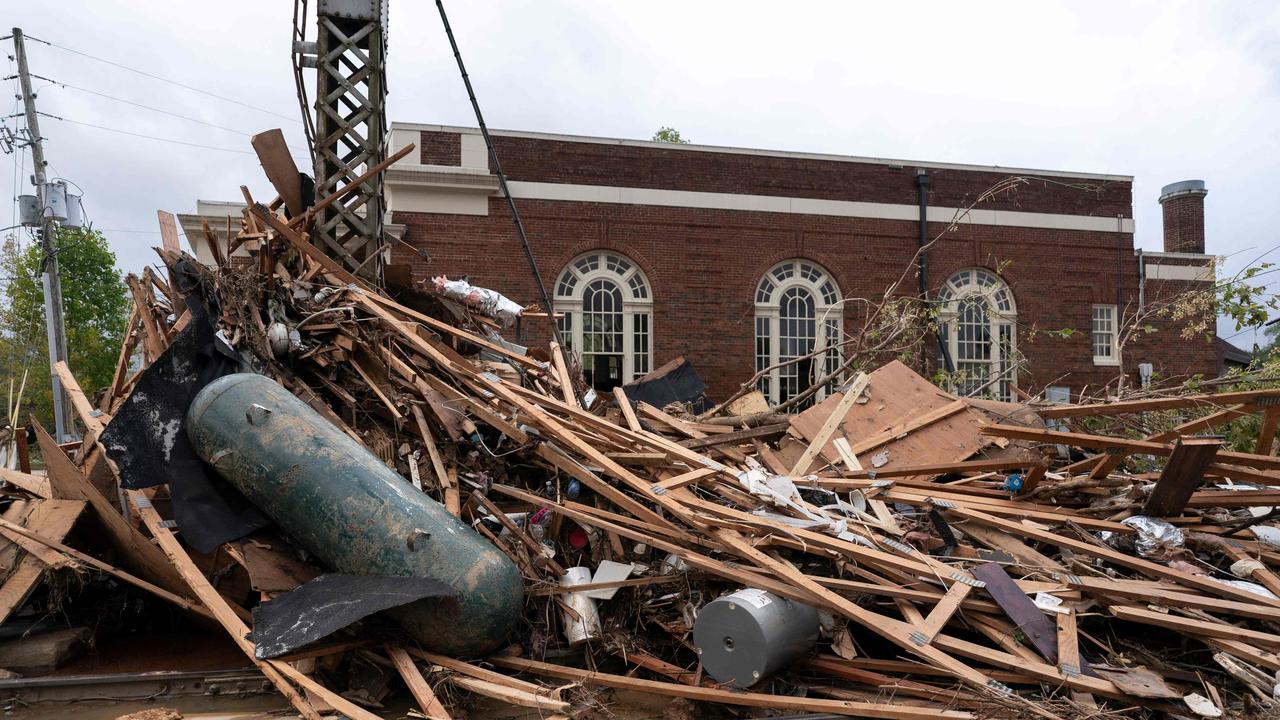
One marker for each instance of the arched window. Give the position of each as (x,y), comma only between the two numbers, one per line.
(977,317)
(797,312)
(607,309)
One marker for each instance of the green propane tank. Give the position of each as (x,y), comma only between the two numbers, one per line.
(343,504)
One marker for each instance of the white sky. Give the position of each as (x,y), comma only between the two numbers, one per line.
(1164,91)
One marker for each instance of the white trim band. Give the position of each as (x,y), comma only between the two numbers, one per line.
(807,206)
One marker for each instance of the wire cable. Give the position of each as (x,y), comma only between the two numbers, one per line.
(153,76)
(146,137)
(166,112)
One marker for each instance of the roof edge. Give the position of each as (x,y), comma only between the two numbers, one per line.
(690,147)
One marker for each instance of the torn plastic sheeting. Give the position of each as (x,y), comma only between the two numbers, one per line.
(328,604)
(1155,536)
(489,302)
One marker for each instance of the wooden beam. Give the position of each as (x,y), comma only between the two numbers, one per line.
(731,697)
(1182,474)
(1143,447)
(624,404)
(275,671)
(281,170)
(418,686)
(1139,406)
(1192,626)
(736,437)
(54,518)
(834,421)
(1267,432)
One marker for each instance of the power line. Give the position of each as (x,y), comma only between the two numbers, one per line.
(162,111)
(147,137)
(165,80)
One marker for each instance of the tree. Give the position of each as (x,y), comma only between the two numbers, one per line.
(95,302)
(669,135)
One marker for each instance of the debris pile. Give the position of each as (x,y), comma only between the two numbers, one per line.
(892,551)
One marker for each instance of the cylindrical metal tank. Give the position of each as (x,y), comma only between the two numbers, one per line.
(746,636)
(339,501)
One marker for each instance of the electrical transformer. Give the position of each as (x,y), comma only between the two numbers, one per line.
(750,634)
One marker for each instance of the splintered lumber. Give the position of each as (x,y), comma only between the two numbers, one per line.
(35,484)
(729,697)
(77,556)
(1182,474)
(1146,567)
(274,670)
(834,420)
(1193,626)
(52,518)
(1148,405)
(417,684)
(1143,447)
(277,163)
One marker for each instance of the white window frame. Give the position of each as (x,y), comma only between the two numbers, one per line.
(637,306)
(828,318)
(1113,347)
(986,287)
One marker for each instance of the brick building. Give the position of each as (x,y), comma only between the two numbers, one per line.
(739,259)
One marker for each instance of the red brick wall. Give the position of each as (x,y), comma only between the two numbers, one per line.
(441,148)
(587,163)
(703,265)
(1184,223)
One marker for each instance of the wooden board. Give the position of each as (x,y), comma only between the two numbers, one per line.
(280,168)
(52,519)
(1182,474)
(896,396)
(136,552)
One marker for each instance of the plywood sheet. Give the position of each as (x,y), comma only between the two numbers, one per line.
(897,395)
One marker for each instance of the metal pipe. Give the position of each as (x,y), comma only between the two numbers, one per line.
(502,179)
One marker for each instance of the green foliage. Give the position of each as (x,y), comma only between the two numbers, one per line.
(95,302)
(669,135)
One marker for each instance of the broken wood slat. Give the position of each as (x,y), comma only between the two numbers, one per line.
(683,479)
(1260,575)
(624,404)
(417,684)
(1193,626)
(1028,618)
(1267,432)
(281,171)
(1145,567)
(730,697)
(276,671)
(631,582)
(942,612)
(136,551)
(93,562)
(649,662)
(1102,465)
(1182,474)
(562,375)
(1142,447)
(1068,643)
(512,696)
(1169,596)
(169,240)
(736,437)
(1139,406)
(957,468)
(52,518)
(353,185)
(834,420)
(306,248)
(1027,557)
(477,672)
(35,484)
(892,630)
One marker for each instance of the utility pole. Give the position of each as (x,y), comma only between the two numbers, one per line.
(64,428)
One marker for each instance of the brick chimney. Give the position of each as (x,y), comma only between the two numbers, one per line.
(1184,216)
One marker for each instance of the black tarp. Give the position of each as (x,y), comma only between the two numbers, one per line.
(328,604)
(147,437)
(676,381)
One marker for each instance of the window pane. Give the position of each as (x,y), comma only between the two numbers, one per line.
(602,333)
(797,335)
(764,337)
(640,343)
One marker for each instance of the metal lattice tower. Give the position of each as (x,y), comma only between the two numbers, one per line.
(350,129)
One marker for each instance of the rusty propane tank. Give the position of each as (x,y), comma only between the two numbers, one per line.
(342,503)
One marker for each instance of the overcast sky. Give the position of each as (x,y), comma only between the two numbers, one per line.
(1164,91)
